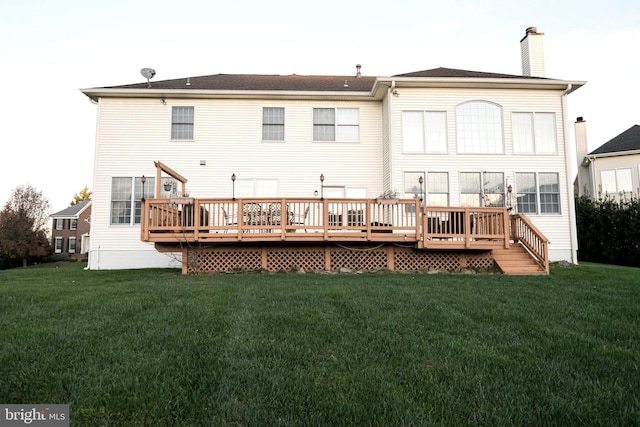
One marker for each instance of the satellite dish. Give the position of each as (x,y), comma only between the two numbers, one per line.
(148,74)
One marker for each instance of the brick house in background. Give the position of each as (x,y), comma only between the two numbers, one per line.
(70,230)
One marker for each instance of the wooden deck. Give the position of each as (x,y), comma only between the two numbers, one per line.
(190,223)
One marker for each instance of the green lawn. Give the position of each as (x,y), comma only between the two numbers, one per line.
(153,347)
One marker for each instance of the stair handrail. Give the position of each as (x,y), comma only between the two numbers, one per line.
(523,230)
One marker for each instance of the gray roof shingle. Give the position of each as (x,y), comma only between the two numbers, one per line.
(294,82)
(629,140)
(72,210)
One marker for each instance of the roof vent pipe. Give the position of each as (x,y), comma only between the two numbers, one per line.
(358,74)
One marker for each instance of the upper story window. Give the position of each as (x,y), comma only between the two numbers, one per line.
(126,196)
(534,133)
(272,124)
(336,124)
(424,131)
(616,181)
(479,127)
(73,224)
(182,123)
(58,224)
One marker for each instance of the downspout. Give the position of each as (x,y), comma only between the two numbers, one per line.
(573,229)
(390,172)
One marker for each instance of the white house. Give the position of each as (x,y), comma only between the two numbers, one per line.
(467,134)
(613,169)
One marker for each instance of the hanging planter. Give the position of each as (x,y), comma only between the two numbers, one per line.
(168,185)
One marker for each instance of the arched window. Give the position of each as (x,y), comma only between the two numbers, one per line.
(479,128)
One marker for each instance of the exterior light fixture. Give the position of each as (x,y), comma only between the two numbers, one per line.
(233,186)
(143,180)
(321,186)
(420,180)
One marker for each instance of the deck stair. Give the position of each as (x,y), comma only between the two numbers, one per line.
(516,260)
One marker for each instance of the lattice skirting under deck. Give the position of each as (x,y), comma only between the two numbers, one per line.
(329,257)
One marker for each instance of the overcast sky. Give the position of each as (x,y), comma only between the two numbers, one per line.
(50,49)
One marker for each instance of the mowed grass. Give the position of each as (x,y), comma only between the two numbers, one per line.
(152,347)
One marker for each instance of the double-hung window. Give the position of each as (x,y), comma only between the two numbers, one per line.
(616,181)
(273,124)
(126,197)
(336,124)
(538,193)
(59,224)
(73,224)
(182,123)
(58,245)
(482,189)
(72,245)
(534,133)
(479,128)
(424,131)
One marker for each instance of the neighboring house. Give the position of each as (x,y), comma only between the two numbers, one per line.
(467,134)
(613,169)
(70,230)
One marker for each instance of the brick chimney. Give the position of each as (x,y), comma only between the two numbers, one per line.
(532,52)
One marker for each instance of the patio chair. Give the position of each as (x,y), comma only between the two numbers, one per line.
(300,218)
(229,219)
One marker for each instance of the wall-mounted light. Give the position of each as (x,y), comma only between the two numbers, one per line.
(321,186)
(395,93)
(420,180)
(233,186)
(164,102)
(143,180)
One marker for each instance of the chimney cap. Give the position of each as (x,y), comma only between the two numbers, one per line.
(580,119)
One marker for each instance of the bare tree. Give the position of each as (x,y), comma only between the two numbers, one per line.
(23,222)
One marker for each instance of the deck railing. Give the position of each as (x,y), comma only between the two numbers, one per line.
(174,220)
(537,244)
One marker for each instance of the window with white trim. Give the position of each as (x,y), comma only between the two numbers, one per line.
(438,189)
(481,189)
(549,188)
(126,197)
(58,224)
(256,188)
(59,243)
(424,131)
(336,124)
(538,192)
(479,128)
(273,124)
(534,133)
(616,181)
(72,245)
(73,224)
(182,123)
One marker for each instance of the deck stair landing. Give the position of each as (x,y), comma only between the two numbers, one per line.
(517,260)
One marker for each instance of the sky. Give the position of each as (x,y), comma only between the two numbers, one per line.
(50,49)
